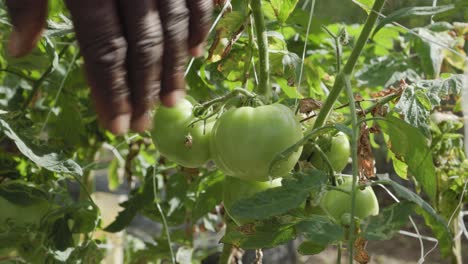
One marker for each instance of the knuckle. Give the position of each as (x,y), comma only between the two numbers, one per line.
(148,48)
(177,21)
(105,51)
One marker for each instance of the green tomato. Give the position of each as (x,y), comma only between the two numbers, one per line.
(236,189)
(179,142)
(338,204)
(337,150)
(245,141)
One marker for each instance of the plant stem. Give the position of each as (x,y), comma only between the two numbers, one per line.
(349,66)
(43,77)
(338,257)
(354,157)
(264,87)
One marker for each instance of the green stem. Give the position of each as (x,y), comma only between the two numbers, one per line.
(43,77)
(349,66)
(354,156)
(264,87)
(338,257)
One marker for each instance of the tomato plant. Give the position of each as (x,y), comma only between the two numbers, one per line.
(178,138)
(246,140)
(380,91)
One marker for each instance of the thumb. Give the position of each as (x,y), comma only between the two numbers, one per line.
(28,19)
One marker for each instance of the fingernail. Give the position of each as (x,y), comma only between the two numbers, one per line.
(15,44)
(173,98)
(198,50)
(120,124)
(142,123)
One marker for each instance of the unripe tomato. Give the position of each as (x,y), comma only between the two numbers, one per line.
(337,204)
(179,142)
(337,150)
(246,140)
(236,189)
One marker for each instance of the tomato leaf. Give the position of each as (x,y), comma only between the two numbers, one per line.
(260,235)
(388,222)
(417,100)
(411,12)
(310,248)
(22,194)
(433,220)
(279,200)
(209,194)
(283,8)
(409,144)
(51,161)
(320,230)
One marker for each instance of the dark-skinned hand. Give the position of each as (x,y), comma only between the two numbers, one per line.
(134,51)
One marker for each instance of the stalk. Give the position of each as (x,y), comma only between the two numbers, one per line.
(349,66)
(264,87)
(354,156)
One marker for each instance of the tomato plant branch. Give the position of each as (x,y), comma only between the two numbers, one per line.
(200,109)
(354,157)
(264,88)
(349,66)
(324,156)
(43,77)
(163,217)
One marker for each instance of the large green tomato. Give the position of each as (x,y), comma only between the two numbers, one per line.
(337,203)
(179,142)
(236,189)
(244,141)
(337,150)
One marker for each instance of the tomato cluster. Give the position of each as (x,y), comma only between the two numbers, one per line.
(244,141)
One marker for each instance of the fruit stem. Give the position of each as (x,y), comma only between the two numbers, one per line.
(338,257)
(349,66)
(264,87)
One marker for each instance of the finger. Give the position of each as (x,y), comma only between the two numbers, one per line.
(175,22)
(28,18)
(200,22)
(104,50)
(144,56)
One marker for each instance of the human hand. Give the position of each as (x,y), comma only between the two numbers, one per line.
(134,51)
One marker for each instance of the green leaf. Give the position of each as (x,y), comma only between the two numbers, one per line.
(310,248)
(320,230)
(22,194)
(409,144)
(433,220)
(259,235)
(429,46)
(419,99)
(279,200)
(210,194)
(388,222)
(441,232)
(113,174)
(365,4)
(283,8)
(50,161)
(412,12)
